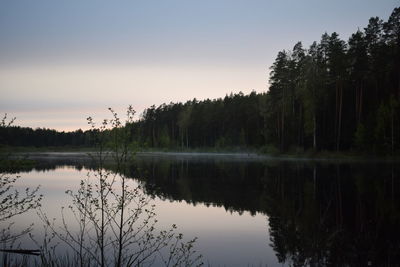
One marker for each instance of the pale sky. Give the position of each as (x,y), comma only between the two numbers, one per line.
(62,61)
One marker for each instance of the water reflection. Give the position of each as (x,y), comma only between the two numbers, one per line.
(319,213)
(338,214)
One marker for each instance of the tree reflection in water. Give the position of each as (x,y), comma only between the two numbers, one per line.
(319,213)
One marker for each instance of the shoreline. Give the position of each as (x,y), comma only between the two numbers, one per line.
(320,156)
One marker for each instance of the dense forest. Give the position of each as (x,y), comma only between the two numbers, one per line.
(24,136)
(334,95)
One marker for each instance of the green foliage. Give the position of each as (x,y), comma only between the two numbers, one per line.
(319,97)
(360,138)
(381,130)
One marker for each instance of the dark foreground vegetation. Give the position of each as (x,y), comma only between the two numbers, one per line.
(333,96)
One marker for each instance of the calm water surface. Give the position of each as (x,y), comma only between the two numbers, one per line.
(254,212)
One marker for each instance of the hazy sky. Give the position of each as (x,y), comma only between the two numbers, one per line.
(62,61)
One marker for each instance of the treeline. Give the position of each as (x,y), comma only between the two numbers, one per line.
(334,95)
(40,137)
(338,95)
(234,121)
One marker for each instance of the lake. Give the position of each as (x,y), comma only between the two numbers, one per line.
(250,211)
